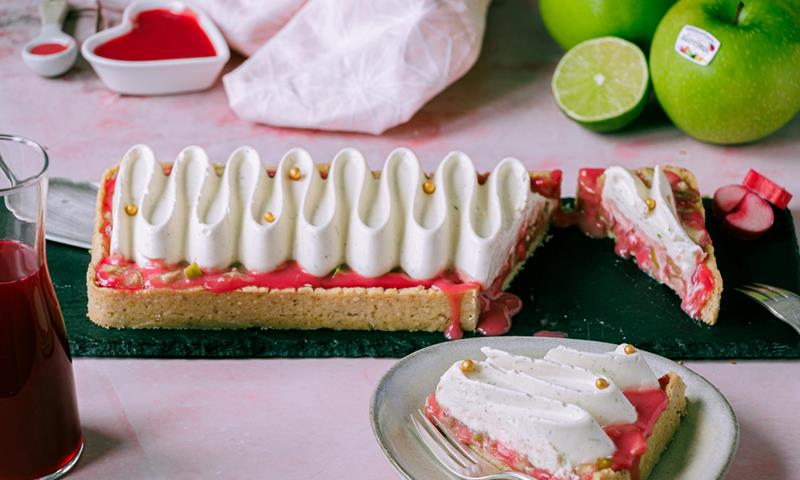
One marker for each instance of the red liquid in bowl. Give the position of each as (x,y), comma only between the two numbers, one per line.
(48,48)
(159,34)
(39,426)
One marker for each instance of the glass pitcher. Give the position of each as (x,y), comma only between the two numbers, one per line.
(40,435)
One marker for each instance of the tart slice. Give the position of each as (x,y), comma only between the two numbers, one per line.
(191,244)
(572,415)
(656,216)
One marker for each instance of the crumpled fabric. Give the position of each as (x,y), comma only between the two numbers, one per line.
(345,65)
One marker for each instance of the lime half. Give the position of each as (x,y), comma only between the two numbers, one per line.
(602,83)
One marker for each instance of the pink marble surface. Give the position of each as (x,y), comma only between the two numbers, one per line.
(308,419)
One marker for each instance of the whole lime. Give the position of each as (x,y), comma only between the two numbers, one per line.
(570,22)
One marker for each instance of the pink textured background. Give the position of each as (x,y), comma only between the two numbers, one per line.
(308,419)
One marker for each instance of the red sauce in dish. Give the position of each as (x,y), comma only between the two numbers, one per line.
(48,48)
(159,34)
(630,439)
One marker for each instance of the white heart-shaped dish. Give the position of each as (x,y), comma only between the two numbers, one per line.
(157,77)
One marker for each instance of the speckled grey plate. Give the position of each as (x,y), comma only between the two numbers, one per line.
(701,450)
(70,211)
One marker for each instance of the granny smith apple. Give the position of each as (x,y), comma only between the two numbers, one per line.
(744,88)
(570,22)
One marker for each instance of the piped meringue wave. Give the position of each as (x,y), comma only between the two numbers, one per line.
(372,223)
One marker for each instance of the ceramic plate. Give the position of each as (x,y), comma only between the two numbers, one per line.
(701,450)
(71,212)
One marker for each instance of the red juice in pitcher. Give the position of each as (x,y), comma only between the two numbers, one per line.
(39,426)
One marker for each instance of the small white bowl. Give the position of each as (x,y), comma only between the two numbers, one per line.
(53,64)
(157,77)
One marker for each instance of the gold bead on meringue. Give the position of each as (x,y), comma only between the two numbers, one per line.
(295,173)
(131,209)
(467,366)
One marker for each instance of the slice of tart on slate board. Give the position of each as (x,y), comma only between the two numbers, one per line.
(656,217)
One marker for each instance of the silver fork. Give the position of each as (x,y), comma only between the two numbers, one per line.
(454,456)
(780,302)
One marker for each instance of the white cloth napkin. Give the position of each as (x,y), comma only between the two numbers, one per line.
(348,65)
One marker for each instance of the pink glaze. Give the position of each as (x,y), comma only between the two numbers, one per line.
(547,185)
(116,272)
(48,48)
(590,219)
(550,334)
(497,311)
(630,439)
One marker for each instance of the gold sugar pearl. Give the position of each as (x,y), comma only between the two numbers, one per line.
(131,209)
(651,204)
(295,173)
(601,383)
(269,217)
(630,349)
(603,463)
(429,187)
(467,366)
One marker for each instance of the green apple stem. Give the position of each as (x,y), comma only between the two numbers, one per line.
(739,7)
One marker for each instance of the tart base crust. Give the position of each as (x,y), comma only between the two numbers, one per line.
(306,308)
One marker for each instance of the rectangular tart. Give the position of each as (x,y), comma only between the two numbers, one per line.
(133,283)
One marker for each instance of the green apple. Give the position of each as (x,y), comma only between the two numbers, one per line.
(751,86)
(570,22)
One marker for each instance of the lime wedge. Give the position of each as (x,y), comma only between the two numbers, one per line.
(602,83)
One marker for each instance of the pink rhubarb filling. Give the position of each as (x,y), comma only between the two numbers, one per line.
(629,439)
(497,306)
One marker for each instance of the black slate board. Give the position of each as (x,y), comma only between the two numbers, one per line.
(580,287)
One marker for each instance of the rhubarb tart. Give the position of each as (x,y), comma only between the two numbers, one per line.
(571,415)
(656,216)
(192,244)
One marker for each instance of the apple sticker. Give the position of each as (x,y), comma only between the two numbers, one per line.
(697,45)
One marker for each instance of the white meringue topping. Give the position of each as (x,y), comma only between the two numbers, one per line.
(550,410)
(371,224)
(627,194)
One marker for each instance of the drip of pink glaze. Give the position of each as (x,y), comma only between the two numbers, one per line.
(455,293)
(496,312)
(550,334)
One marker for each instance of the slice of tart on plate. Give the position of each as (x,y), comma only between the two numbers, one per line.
(572,415)
(191,244)
(655,216)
